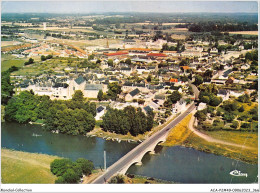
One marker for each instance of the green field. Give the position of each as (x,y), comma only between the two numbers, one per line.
(246,155)
(8,61)
(26,168)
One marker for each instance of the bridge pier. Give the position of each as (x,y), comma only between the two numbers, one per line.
(152,152)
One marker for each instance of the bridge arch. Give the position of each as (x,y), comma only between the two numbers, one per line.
(138,160)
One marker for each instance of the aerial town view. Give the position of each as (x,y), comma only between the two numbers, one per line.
(129,92)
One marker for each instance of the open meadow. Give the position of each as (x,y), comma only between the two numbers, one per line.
(26,168)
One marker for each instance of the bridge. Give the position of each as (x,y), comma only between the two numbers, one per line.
(135,155)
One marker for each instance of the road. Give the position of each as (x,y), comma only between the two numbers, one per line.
(127,159)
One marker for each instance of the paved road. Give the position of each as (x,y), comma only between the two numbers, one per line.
(127,159)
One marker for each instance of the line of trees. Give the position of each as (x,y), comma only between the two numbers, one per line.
(212,26)
(43,58)
(71,117)
(69,172)
(127,120)
(7,89)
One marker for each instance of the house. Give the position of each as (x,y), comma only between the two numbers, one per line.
(230,80)
(179,106)
(126,70)
(201,106)
(132,95)
(146,109)
(100,112)
(60,91)
(91,90)
(77,84)
(224,94)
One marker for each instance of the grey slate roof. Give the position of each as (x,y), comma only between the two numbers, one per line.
(79,80)
(93,87)
(99,109)
(222,92)
(134,92)
(148,108)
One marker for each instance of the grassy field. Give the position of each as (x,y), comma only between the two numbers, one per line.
(8,61)
(26,168)
(179,134)
(244,32)
(239,137)
(5,65)
(246,155)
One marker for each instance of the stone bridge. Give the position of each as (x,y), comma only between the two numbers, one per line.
(138,159)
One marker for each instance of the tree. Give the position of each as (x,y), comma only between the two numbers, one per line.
(215,101)
(100,95)
(31,61)
(22,108)
(43,58)
(200,115)
(78,96)
(149,78)
(205,99)
(60,180)
(110,62)
(244,98)
(113,90)
(128,61)
(60,166)
(91,57)
(241,108)
(174,97)
(86,165)
(234,124)
(70,177)
(198,80)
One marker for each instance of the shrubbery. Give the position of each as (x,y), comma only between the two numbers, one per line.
(69,172)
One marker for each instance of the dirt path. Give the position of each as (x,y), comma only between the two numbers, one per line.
(211,139)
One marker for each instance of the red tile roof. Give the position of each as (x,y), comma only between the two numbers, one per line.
(116,53)
(185,67)
(173,80)
(157,55)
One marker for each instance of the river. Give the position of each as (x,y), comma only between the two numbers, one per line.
(178,164)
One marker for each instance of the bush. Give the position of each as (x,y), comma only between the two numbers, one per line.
(200,115)
(215,101)
(228,117)
(241,109)
(205,99)
(60,166)
(245,125)
(70,177)
(234,124)
(86,165)
(119,179)
(60,180)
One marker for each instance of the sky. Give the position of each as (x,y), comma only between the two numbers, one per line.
(128,6)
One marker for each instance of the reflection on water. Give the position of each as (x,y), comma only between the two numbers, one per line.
(178,164)
(20,137)
(187,165)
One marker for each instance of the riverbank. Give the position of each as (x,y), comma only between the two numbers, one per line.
(137,179)
(19,167)
(98,132)
(246,149)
